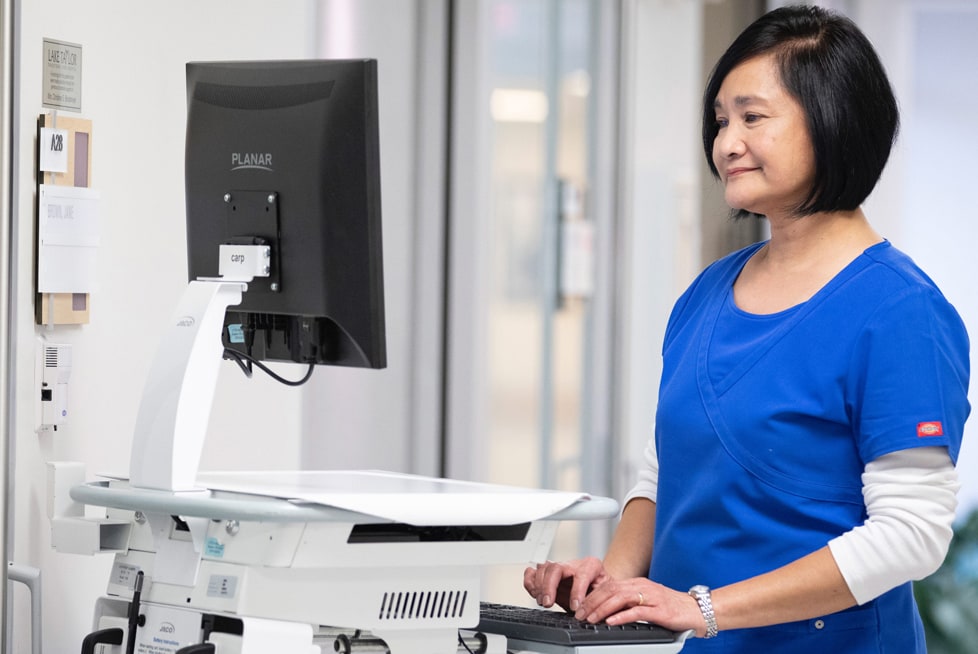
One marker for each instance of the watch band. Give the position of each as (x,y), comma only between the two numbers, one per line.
(702,596)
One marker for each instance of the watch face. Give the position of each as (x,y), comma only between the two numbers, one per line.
(699,589)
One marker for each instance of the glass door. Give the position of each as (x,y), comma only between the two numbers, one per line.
(531,70)
(539,82)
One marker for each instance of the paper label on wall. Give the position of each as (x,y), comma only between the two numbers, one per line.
(61,82)
(68,216)
(68,239)
(54,150)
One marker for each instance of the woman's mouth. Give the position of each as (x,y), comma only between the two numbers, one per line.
(735,172)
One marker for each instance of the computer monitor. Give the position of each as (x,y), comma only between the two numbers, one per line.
(286,154)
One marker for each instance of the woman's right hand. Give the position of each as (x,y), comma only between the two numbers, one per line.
(566,583)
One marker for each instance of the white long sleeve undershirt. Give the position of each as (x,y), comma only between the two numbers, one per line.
(911,497)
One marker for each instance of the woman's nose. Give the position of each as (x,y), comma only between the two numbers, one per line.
(728,143)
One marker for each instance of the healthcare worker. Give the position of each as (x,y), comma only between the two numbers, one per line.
(814,386)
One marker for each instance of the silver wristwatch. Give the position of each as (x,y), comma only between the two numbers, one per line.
(702,596)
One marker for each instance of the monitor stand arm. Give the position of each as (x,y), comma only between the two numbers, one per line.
(176,403)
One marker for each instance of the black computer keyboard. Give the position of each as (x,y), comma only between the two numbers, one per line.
(559,628)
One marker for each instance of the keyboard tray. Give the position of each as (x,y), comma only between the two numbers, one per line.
(558,628)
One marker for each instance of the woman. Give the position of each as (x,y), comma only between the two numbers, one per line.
(814,387)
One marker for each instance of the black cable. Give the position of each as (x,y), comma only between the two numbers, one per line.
(134,613)
(240,358)
(233,356)
(112,636)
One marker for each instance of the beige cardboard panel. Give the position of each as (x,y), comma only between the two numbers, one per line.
(64,307)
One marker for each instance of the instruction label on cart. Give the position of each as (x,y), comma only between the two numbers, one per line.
(167,630)
(222,586)
(123,575)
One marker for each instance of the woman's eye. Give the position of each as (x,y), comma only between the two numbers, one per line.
(751,118)
(721,123)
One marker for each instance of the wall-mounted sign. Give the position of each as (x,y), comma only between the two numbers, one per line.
(61,83)
(54,150)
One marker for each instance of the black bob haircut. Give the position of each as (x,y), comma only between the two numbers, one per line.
(829,66)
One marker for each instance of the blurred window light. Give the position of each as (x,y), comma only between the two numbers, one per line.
(518,106)
(578,84)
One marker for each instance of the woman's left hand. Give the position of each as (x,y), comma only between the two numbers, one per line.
(631,600)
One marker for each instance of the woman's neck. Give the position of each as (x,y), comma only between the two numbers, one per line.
(802,255)
(803,242)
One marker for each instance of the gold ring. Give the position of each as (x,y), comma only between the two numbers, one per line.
(641,599)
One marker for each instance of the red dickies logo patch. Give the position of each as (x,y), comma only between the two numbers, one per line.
(926,429)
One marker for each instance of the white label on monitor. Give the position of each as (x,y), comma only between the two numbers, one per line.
(244,262)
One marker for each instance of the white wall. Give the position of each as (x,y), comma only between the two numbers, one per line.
(939,142)
(390,419)
(134,92)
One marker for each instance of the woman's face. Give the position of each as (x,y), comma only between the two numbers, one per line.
(762,150)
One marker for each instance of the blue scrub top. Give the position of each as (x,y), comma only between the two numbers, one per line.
(765,423)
